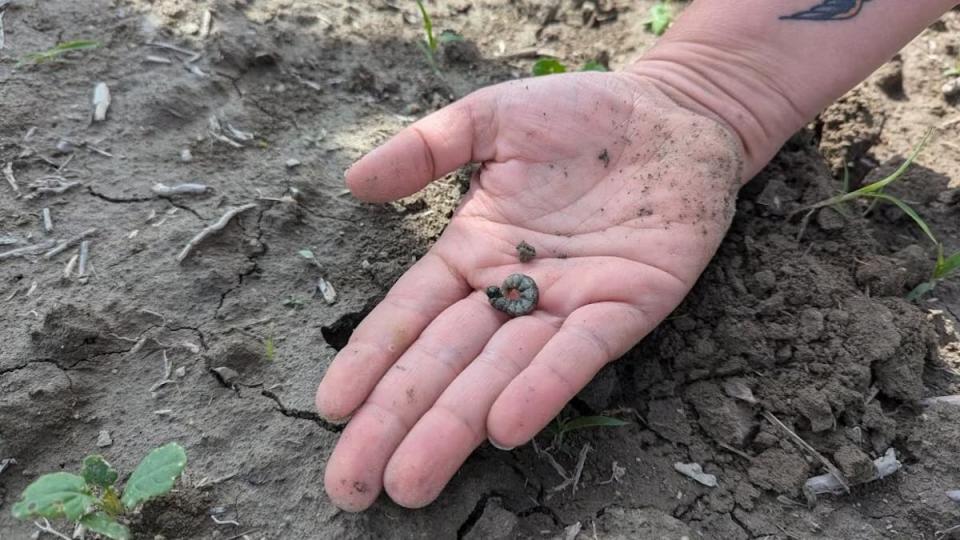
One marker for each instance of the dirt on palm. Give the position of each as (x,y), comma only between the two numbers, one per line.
(267,102)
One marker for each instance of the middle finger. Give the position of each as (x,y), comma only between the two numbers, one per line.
(354,474)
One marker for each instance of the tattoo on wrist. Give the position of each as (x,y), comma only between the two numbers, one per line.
(829,10)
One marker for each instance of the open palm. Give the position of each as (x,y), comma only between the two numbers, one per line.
(625,197)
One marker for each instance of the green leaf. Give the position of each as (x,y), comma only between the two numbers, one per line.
(155,475)
(105,525)
(56,495)
(920,290)
(880,184)
(449,36)
(97,472)
(581,422)
(947,266)
(306,254)
(661,17)
(427,27)
(906,210)
(593,65)
(548,66)
(59,49)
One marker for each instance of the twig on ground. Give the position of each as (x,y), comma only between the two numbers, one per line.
(813,451)
(27,250)
(179,189)
(84,255)
(224,521)
(167,370)
(47,220)
(62,245)
(52,184)
(68,269)
(219,225)
(575,479)
(205,23)
(736,451)
(11,179)
(885,465)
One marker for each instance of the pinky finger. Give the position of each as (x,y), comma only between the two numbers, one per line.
(591,337)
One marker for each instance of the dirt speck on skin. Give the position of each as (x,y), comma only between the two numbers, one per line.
(817,329)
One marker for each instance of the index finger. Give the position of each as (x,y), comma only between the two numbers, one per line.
(457,134)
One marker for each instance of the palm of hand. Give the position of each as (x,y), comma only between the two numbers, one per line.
(624,195)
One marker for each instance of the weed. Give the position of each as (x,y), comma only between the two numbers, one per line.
(661,17)
(945,265)
(431,43)
(92,498)
(59,50)
(874,192)
(566,425)
(954,71)
(549,66)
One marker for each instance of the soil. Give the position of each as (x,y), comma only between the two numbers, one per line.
(814,331)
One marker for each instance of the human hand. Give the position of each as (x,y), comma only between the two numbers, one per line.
(625,196)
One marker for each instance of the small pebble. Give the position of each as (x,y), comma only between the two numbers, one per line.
(180,372)
(186,156)
(951,89)
(103,439)
(292,163)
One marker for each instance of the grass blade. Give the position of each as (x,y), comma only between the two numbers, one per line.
(581,422)
(907,210)
(947,266)
(880,184)
(427,27)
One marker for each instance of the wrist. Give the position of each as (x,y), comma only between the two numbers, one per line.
(730,88)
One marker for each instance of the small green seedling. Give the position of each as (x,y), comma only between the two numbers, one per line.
(875,193)
(566,425)
(59,50)
(953,72)
(550,66)
(431,43)
(92,498)
(661,17)
(942,270)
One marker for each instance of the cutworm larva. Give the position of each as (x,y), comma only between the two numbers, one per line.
(518,295)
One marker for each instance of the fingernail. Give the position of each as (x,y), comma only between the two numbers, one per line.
(498,446)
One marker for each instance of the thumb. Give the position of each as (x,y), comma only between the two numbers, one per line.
(457,134)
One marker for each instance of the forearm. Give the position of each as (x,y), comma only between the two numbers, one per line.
(764,75)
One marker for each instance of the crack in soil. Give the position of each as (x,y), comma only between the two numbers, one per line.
(302,415)
(475,514)
(110,199)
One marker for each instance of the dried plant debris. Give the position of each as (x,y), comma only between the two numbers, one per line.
(695,471)
(219,225)
(63,245)
(32,249)
(180,189)
(47,220)
(11,179)
(885,465)
(326,290)
(224,132)
(49,185)
(101,101)
(525,252)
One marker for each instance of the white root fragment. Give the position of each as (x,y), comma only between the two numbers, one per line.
(12,180)
(885,465)
(695,471)
(27,250)
(101,101)
(157,59)
(84,255)
(64,244)
(178,189)
(167,370)
(50,185)
(205,23)
(219,225)
(949,400)
(327,291)
(47,220)
(68,269)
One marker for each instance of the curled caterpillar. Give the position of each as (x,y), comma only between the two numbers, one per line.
(518,295)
